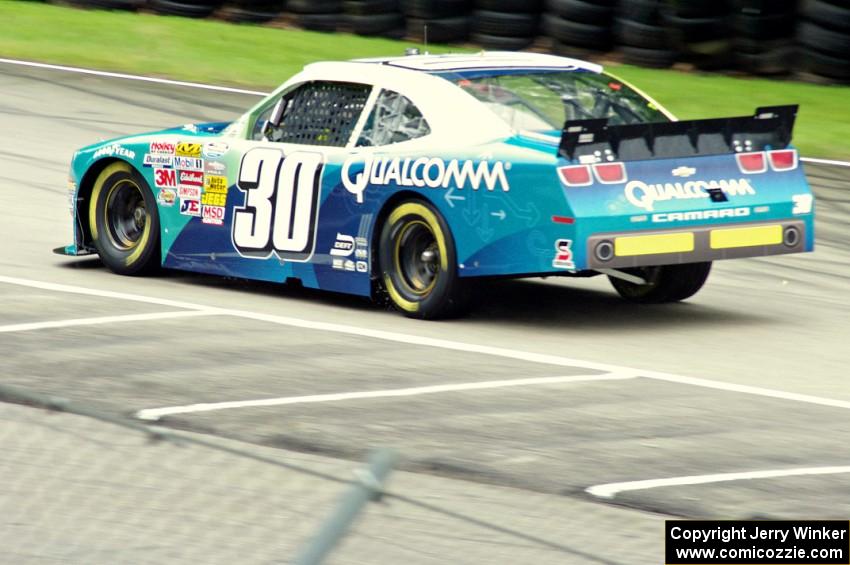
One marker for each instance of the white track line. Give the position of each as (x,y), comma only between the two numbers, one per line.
(825,161)
(410,339)
(610,490)
(132,77)
(157,413)
(31,326)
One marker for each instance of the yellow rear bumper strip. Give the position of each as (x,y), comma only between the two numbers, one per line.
(652,244)
(746,237)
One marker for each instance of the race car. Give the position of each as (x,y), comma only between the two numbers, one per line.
(413,177)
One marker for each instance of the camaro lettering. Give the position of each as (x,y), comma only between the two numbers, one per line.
(424,172)
(645,195)
(701,215)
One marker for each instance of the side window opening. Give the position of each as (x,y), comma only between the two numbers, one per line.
(393,119)
(316,113)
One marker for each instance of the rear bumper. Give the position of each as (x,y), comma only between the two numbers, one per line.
(694,245)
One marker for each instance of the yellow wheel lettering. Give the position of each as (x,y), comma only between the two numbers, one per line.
(397,298)
(98,186)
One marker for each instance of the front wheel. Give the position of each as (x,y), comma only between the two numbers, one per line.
(123,220)
(418,265)
(664,283)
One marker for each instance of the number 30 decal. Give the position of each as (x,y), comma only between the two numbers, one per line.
(281,204)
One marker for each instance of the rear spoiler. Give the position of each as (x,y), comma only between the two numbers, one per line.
(594,140)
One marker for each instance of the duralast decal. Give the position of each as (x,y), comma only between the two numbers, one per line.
(423,172)
(112,150)
(645,195)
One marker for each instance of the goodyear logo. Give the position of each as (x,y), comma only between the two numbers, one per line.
(186,149)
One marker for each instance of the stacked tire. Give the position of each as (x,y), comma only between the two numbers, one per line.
(764,32)
(824,39)
(579,28)
(640,34)
(185,8)
(701,31)
(505,25)
(316,15)
(437,21)
(110,4)
(252,11)
(374,17)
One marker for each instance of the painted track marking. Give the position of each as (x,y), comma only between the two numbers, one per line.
(610,490)
(411,339)
(52,324)
(157,413)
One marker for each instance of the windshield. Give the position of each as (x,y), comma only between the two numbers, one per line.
(541,100)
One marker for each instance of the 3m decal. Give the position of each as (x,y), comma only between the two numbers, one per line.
(213,215)
(165,178)
(645,195)
(422,172)
(189,163)
(188,149)
(190,207)
(281,204)
(162,147)
(564,255)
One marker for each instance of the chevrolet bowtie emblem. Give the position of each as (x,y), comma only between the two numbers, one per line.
(684,172)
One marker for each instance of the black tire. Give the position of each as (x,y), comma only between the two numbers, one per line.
(370,7)
(252,11)
(420,288)
(124,220)
(515,6)
(586,36)
(376,24)
(836,68)
(643,11)
(314,6)
(654,58)
(186,9)
(751,46)
(440,30)
(575,52)
(698,30)
(429,9)
(638,34)
(764,28)
(667,283)
(500,43)
(827,15)
(582,11)
(773,62)
(110,4)
(699,8)
(764,7)
(824,40)
(504,24)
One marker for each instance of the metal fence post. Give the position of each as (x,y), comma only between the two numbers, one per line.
(369,486)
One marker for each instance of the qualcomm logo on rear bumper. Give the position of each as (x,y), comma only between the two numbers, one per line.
(645,195)
(422,172)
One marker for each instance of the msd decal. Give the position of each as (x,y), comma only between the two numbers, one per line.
(645,195)
(213,215)
(165,178)
(422,172)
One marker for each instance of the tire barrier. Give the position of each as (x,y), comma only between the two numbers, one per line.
(760,37)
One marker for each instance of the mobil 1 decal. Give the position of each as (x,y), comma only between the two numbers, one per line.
(281,204)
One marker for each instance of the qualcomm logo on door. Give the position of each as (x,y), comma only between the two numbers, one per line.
(431,172)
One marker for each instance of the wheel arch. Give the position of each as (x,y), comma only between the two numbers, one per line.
(382,216)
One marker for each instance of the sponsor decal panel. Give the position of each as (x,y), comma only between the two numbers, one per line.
(188,149)
(361,266)
(167,197)
(564,255)
(165,178)
(695,215)
(158,160)
(213,199)
(213,215)
(215,183)
(189,163)
(190,207)
(191,192)
(190,178)
(424,172)
(162,148)
(112,150)
(343,246)
(645,195)
(215,149)
(214,168)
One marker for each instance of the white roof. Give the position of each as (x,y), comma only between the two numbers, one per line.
(484,60)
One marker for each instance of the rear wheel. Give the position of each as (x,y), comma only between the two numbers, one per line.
(123,220)
(665,283)
(418,265)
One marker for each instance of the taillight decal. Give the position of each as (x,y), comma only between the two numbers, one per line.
(752,163)
(610,173)
(783,160)
(576,175)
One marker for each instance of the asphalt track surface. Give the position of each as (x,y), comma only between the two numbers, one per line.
(685,390)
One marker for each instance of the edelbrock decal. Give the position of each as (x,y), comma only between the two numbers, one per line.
(645,195)
(423,172)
